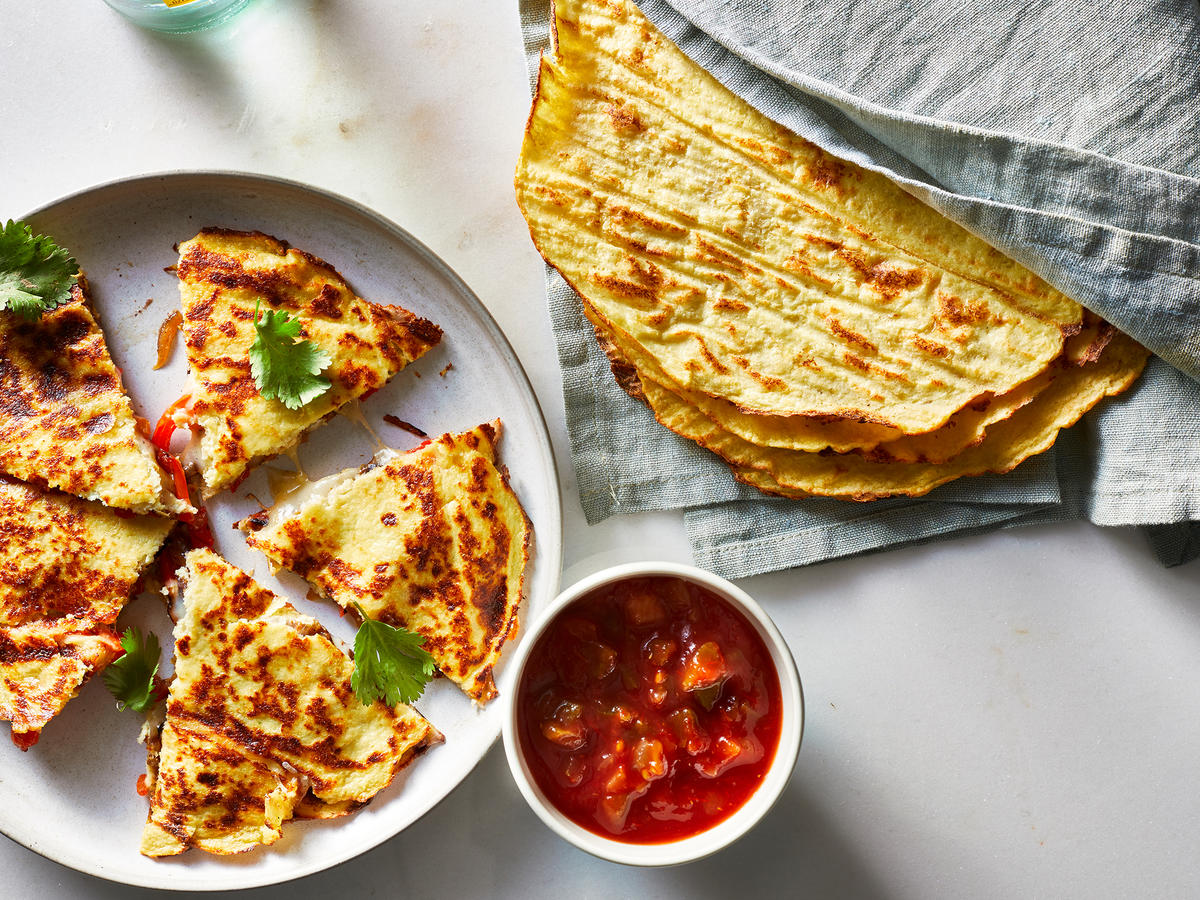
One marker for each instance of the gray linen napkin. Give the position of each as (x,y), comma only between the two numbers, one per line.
(1067,135)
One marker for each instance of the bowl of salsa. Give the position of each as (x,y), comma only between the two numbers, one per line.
(657,714)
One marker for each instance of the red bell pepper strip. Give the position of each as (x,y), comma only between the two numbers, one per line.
(175,467)
(166,426)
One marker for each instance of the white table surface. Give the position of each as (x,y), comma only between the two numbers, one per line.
(1007,715)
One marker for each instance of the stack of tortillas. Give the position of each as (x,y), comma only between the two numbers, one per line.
(820,329)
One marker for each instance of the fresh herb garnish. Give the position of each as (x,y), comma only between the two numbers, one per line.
(130,678)
(36,274)
(389,663)
(285,368)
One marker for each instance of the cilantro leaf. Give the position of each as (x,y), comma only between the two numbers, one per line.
(389,663)
(284,368)
(130,678)
(35,273)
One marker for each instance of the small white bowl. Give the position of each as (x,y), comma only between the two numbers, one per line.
(723,833)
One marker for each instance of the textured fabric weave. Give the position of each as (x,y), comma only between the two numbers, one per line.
(1065,134)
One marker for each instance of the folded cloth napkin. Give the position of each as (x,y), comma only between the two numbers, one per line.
(1063,133)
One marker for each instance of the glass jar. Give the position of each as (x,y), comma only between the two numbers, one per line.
(178,16)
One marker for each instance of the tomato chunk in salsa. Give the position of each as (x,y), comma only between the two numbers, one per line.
(649,710)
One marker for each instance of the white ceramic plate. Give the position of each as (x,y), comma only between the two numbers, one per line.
(72,797)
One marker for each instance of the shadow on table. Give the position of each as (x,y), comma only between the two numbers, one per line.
(483,841)
(209,60)
(796,844)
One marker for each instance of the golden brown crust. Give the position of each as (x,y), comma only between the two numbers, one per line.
(623,370)
(796,314)
(62,556)
(42,666)
(65,420)
(214,793)
(433,540)
(224,275)
(268,685)
(756,269)
(67,567)
(1030,430)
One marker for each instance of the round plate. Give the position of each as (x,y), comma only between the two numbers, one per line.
(72,797)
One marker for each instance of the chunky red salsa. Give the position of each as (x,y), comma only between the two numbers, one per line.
(649,710)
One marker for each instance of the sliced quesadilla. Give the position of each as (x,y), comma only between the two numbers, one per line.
(214,793)
(433,540)
(67,567)
(43,665)
(65,421)
(260,693)
(228,279)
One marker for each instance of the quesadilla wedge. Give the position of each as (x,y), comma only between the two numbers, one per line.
(62,556)
(213,793)
(433,540)
(43,665)
(261,691)
(65,421)
(225,277)
(67,567)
